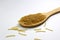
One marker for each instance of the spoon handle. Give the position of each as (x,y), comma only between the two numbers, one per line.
(55,11)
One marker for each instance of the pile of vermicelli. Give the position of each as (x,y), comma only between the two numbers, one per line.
(32,19)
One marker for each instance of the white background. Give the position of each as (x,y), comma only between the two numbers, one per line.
(12,10)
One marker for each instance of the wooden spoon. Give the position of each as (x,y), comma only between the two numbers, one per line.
(47,15)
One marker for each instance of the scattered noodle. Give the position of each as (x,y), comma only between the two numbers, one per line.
(17,29)
(41,31)
(22,34)
(37,29)
(21,30)
(37,39)
(10,36)
(14,28)
(48,29)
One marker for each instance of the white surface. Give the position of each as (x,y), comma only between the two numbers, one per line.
(12,10)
